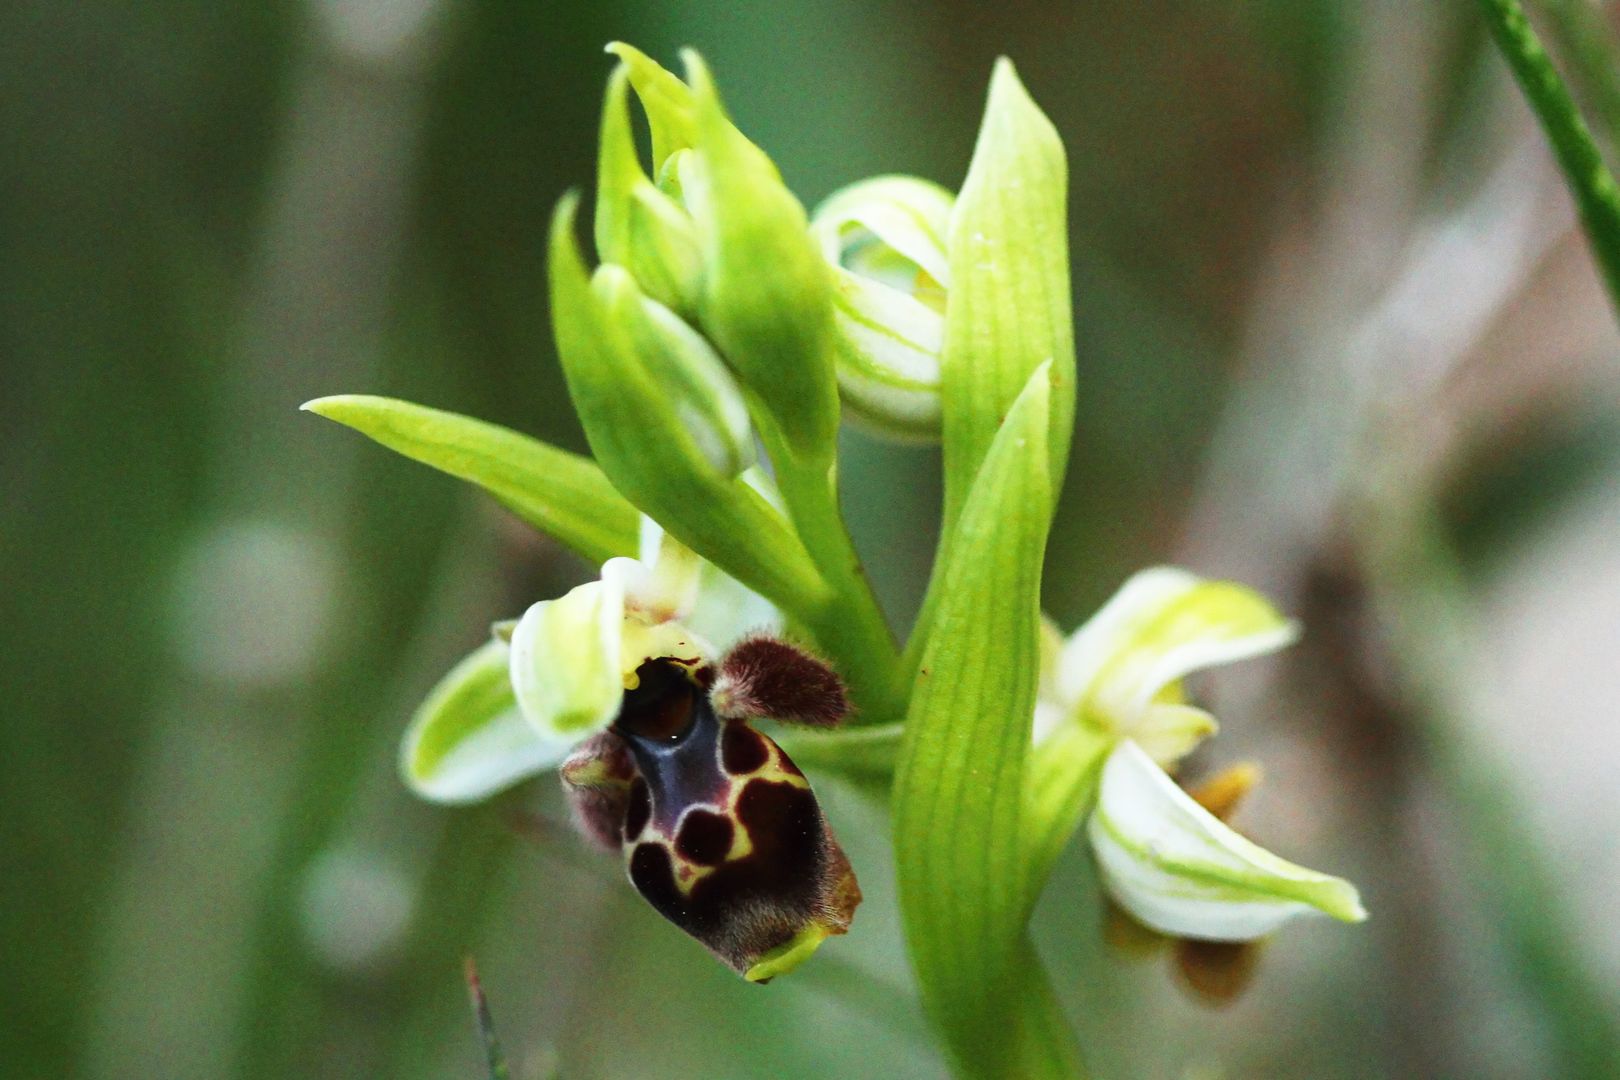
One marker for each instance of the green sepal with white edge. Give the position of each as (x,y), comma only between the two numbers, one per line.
(1121,671)
(685,367)
(1009,304)
(566,660)
(766,298)
(645,446)
(562,494)
(637,225)
(1175,867)
(885,240)
(468,739)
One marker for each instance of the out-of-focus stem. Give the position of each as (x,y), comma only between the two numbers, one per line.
(1583,36)
(1590,180)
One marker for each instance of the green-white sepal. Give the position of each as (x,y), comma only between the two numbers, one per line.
(1177,869)
(686,369)
(667,102)
(885,240)
(468,740)
(1121,671)
(766,298)
(637,225)
(566,660)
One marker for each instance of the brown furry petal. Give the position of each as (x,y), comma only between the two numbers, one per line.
(766,676)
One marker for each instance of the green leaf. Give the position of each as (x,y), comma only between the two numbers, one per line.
(562,494)
(1593,185)
(959,793)
(767,292)
(648,451)
(468,740)
(1008,311)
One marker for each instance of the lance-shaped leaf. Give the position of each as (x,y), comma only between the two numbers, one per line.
(767,296)
(959,789)
(1008,311)
(562,494)
(1178,869)
(645,446)
(468,740)
(637,225)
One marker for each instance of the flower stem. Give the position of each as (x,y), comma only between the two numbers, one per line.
(1596,194)
(1582,35)
(847,622)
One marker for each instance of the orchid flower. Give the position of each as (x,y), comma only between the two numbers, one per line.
(639,687)
(1164,858)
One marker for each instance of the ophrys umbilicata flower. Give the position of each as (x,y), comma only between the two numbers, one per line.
(1167,860)
(642,686)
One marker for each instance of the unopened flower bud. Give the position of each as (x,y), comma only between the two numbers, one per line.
(766,296)
(885,239)
(637,225)
(693,378)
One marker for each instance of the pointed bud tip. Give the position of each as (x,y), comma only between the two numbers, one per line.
(333,405)
(1004,79)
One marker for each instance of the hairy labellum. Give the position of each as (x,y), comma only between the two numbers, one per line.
(719,829)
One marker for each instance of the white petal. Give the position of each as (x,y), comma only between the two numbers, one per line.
(567,659)
(908,215)
(1176,868)
(714,607)
(467,740)
(663,583)
(1163,624)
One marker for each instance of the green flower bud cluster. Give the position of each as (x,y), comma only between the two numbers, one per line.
(679,294)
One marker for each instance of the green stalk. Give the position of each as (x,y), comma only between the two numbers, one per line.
(847,622)
(1596,194)
(1581,33)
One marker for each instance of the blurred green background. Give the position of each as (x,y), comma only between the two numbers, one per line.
(1326,284)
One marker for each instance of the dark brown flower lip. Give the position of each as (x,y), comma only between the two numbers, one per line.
(719,830)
